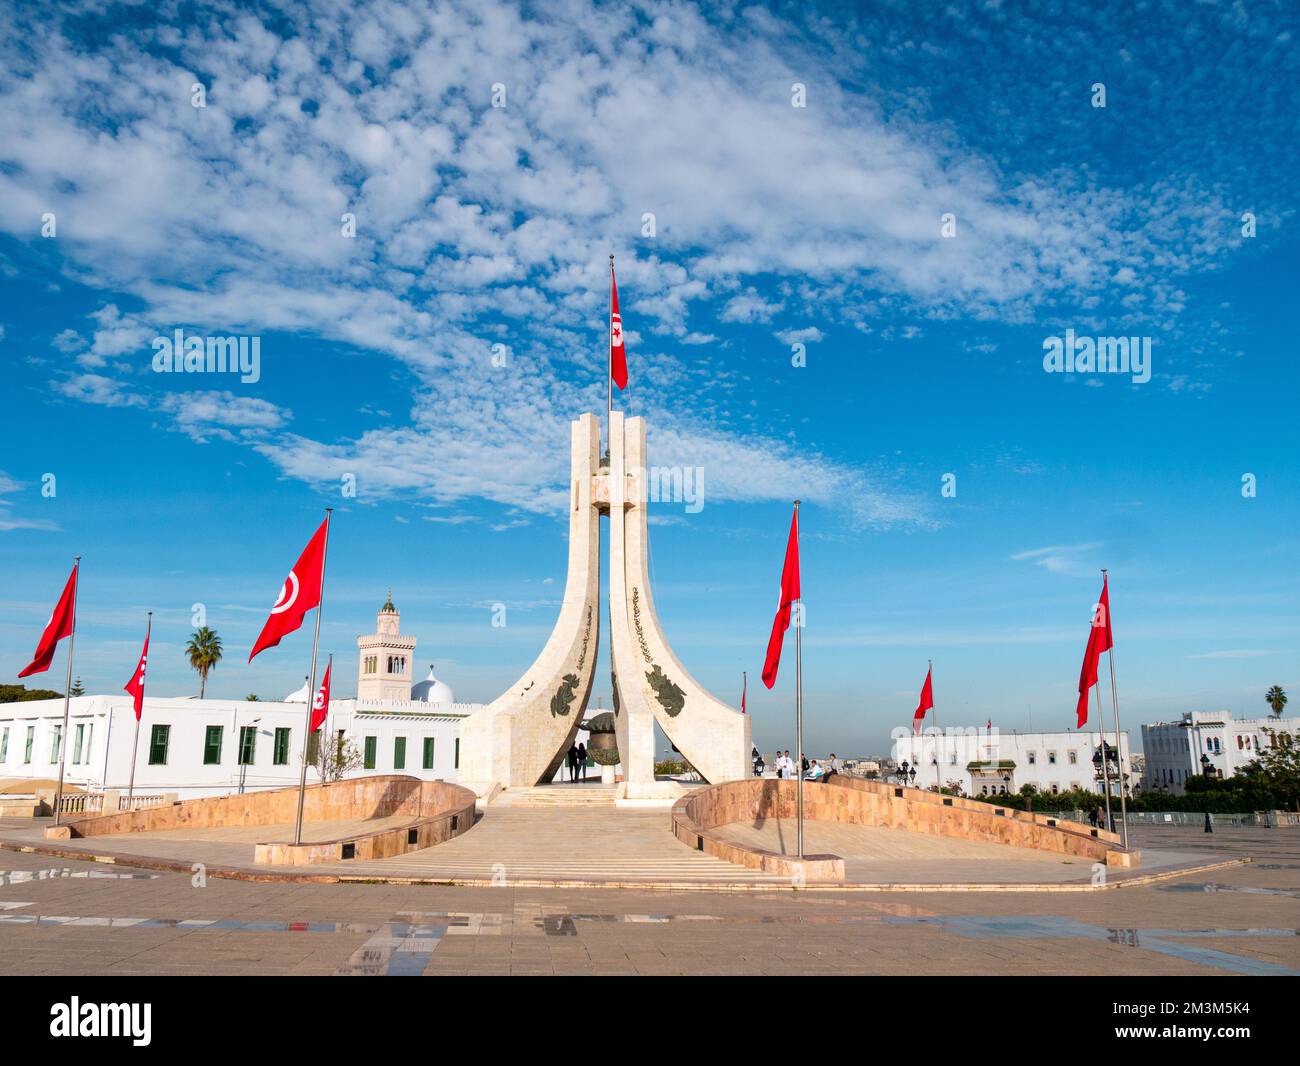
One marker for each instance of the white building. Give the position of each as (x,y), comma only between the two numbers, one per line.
(1213,740)
(987,762)
(212,747)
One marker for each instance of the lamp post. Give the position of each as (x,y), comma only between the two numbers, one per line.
(902,772)
(243,764)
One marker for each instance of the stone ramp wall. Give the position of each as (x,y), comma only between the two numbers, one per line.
(873,803)
(438,811)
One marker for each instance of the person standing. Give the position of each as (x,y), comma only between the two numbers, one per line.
(572,760)
(582,760)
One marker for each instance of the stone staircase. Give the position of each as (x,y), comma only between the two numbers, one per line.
(592,795)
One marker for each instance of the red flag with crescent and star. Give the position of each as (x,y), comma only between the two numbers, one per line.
(300,594)
(1100,639)
(320,705)
(789,593)
(136,685)
(61,624)
(926,701)
(617,349)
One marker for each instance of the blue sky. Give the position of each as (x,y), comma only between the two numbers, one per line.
(479,225)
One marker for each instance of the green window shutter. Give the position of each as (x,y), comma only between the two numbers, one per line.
(399,753)
(313,748)
(247,744)
(428,753)
(281,754)
(372,744)
(212,746)
(158,737)
(456,764)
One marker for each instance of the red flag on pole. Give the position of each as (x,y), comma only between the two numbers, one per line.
(744,688)
(789,593)
(300,594)
(320,705)
(136,685)
(617,350)
(61,624)
(1100,638)
(926,702)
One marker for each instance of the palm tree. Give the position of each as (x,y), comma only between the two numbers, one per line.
(204,652)
(1276,699)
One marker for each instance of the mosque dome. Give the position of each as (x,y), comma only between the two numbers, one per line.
(298,696)
(431,690)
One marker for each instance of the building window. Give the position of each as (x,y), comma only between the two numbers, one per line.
(247,744)
(1074,758)
(428,753)
(456,762)
(372,744)
(313,748)
(1033,757)
(1051,758)
(399,753)
(85,752)
(78,738)
(31,739)
(280,755)
(158,738)
(4,744)
(56,743)
(212,745)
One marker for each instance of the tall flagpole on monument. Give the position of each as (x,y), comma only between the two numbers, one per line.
(798,699)
(609,362)
(311,683)
(1119,750)
(67,694)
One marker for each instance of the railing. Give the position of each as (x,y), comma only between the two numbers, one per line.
(112,801)
(1197,818)
(82,803)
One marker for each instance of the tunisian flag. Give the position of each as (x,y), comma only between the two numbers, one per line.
(926,702)
(61,624)
(300,594)
(136,685)
(320,705)
(789,593)
(744,688)
(617,350)
(1100,639)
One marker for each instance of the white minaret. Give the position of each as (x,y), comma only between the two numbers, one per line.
(385,658)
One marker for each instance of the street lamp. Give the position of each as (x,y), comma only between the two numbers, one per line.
(902,772)
(243,765)
(912,774)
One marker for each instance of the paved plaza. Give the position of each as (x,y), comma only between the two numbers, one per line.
(63,916)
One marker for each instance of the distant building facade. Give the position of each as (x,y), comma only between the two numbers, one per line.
(1207,740)
(989,762)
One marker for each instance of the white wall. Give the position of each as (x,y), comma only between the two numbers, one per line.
(106,759)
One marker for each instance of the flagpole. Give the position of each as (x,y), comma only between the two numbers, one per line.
(1119,749)
(609,360)
(135,744)
(1105,772)
(311,683)
(798,702)
(934,714)
(67,695)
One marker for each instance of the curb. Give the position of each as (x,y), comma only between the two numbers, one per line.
(234,873)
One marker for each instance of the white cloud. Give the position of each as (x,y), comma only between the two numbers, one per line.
(1068,559)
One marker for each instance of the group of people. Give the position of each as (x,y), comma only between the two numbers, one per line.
(813,769)
(576,760)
